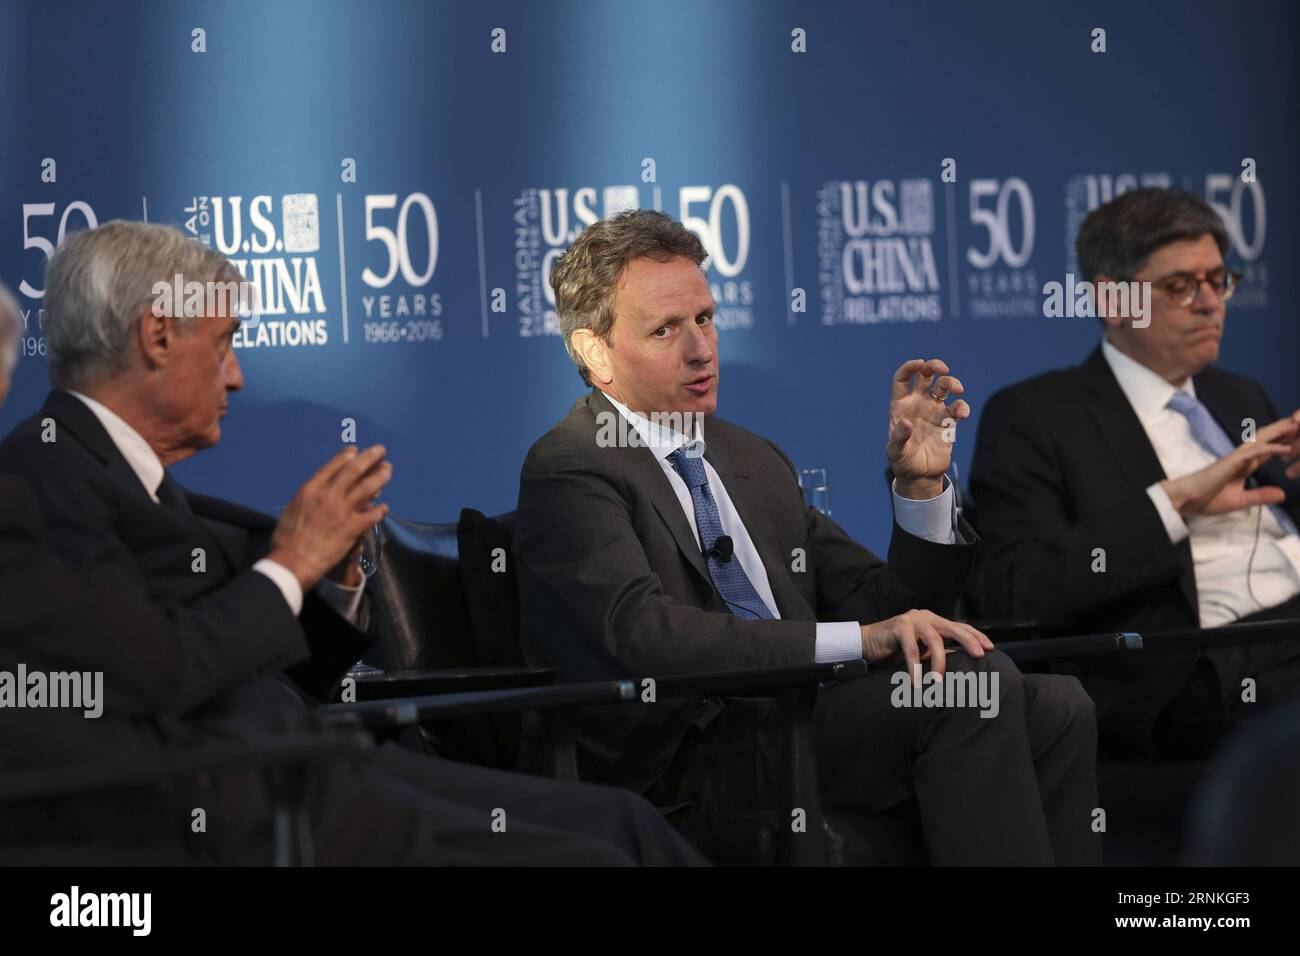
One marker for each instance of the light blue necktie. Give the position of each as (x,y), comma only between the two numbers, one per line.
(1211,436)
(728,576)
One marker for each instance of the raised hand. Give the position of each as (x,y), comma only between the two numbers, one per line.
(922,426)
(322,526)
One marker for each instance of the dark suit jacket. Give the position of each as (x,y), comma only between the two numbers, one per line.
(613,584)
(229,628)
(51,621)
(1061,467)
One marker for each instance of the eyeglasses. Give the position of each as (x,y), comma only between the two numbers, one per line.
(1183,287)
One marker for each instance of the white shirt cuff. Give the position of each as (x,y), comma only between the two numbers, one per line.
(344,598)
(1174,524)
(933,519)
(283,579)
(838,641)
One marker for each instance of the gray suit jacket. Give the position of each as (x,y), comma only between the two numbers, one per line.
(613,584)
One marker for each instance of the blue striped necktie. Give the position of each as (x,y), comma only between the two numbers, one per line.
(728,576)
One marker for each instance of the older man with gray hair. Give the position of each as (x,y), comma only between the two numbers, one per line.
(259,612)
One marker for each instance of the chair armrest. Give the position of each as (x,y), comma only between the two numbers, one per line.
(390,685)
(758,682)
(288,752)
(411,710)
(1227,635)
(1010,629)
(1074,645)
(761,682)
(1153,642)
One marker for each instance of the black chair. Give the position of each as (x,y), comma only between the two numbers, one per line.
(1147,801)
(128,798)
(427,644)
(447,598)
(1244,815)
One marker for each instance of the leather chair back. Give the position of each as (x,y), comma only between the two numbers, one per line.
(418,597)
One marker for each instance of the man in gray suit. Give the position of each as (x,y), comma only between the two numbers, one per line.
(646,546)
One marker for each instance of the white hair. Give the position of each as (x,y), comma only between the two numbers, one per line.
(100,283)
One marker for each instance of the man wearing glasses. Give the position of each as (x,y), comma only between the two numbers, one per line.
(1146,490)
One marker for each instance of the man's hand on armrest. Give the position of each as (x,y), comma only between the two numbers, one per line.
(920,634)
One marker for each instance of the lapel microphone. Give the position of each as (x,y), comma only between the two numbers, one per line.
(723,548)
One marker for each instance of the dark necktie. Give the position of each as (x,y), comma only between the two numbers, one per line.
(728,576)
(173,495)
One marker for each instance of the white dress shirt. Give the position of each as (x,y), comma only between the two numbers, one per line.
(148,468)
(1222,545)
(836,641)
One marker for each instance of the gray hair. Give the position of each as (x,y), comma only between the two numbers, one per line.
(100,283)
(11,331)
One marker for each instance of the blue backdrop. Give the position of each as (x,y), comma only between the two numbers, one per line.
(411,296)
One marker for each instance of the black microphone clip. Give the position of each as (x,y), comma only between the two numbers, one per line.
(723,548)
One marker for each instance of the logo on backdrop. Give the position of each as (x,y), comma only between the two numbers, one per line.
(44,237)
(547,221)
(399,302)
(1238,202)
(733,293)
(875,251)
(1241,206)
(1000,283)
(1085,193)
(281,262)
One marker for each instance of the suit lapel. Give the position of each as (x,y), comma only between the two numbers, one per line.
(1220,408)
(234,527)
(232,539)
(746,494)
(73,415)
(1121,429)
(755,513)
(1118,424)
(649,474)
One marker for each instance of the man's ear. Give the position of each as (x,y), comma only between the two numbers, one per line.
(157,337)
(1098,301)
(594,352)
